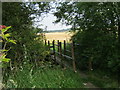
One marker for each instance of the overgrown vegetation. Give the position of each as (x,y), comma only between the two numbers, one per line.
(98,39)
(30,46)
(44,76)
(98,36)
(101,79)
(4,38)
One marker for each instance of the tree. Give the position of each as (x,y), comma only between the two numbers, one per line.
(29,47)
(98,16)
(99,30)
(20,16)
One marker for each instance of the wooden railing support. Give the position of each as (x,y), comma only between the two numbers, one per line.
(58,45)
(60,49)
(90,64)
(49,45)
(64,51)
(63,56)
(73,56)
(64,47)
(54,49)
(45,42)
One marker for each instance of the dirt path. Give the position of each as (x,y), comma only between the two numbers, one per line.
(82,75)
(87,84)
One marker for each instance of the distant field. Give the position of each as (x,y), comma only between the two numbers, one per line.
(58,36)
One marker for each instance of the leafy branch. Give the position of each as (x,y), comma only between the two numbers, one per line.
(5,38)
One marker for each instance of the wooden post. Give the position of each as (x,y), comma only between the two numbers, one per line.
(48,44)
(60,51)
(64,47)
(90,64)
(45,42)
(54,49)
(58,45)
(73,57)
(64,51)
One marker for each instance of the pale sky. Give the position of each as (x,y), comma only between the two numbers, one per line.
(48,21)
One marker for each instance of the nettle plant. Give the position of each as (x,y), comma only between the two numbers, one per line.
(4,40)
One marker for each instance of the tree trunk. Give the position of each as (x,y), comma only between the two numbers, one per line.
(119,31)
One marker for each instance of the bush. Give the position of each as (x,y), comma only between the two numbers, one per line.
(101,47)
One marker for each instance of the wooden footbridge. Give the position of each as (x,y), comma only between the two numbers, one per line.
(60,53)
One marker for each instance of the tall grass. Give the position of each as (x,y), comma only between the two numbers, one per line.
(44,76)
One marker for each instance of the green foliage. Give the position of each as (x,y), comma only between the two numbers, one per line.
(98,26)
(102,79)
(99,47)
(30,46)
(4,59)
(44,76)
(20,16)
(5,39)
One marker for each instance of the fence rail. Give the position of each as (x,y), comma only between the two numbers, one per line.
(61,49)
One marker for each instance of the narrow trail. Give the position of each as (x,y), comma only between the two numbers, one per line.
(1,85)
(82,75)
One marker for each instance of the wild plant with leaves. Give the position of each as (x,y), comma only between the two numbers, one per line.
(5,40)
(30,46)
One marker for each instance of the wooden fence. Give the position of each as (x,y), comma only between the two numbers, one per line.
(60,48)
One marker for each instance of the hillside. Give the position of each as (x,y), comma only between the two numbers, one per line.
(63,30)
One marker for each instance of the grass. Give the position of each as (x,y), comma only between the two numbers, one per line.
(101,79)
(50,76)
(44,76)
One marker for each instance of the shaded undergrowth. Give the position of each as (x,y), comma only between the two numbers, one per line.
(44,76)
